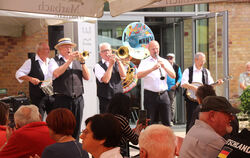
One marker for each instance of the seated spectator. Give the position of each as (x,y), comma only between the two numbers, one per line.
(4,119)
(205,138)
(157,141)
(102,136)
(119,107)
(61,123)
(238,146)
(30,137)
(202,92)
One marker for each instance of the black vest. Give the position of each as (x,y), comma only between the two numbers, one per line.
(114,86)
(36,72)
(204,75)
(70,82)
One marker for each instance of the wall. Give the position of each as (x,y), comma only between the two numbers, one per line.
(239,38)
(13,53)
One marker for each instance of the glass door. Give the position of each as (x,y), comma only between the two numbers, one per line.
(208,34)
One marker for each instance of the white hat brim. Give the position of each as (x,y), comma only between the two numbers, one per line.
(64,43)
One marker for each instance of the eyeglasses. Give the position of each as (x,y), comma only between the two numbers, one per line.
(105,50)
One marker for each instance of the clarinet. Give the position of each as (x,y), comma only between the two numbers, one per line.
(162,77)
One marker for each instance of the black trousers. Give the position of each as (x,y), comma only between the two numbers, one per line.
(103,104)
(75,105)
(36,101)
(190,108)
(157,106)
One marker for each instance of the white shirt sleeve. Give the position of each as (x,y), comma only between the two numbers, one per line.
(99,72)
(24,70)
(185,77)
(52,67)
(210,79)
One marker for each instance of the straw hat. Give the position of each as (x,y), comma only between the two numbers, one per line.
(64,41)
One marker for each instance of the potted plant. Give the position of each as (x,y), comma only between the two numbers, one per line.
(245,101)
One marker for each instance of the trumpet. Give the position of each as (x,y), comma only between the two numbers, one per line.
(83,56)
(122,52)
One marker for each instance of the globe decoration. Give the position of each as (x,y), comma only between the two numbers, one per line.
(136,36)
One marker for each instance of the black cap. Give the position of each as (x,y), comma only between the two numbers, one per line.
(218,103)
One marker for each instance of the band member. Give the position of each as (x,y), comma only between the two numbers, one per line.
(109,73)
(34,71)
(67,80)
(154,70)
(195,73)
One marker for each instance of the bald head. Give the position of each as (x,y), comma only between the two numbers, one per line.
(26,114)
(154,48)
(157,141)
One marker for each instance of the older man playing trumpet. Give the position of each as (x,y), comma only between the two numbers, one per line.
(109,73)
(67,80)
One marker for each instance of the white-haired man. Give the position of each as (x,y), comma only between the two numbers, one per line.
(109,73)
(244,80)
(35,70)
(30,137)
(195,73)
(157,141)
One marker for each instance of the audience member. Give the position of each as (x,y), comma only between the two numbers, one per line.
(205,138)
(173,83)
(244,80)
(30,137)
(61,123)
(4,119)
(119,107)
(157,141)
(102,136)
(238,146)
(202,92)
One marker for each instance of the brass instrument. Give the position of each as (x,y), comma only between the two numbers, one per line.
(83,56)
(122,52)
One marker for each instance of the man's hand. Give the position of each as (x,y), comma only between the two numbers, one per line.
(174,87)
(157,66)
(112,59)
(34,81)
(73,55)
(220,81)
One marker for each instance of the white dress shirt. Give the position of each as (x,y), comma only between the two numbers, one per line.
(53,65)
(113,153)
(152,81)
(24,70)
(99,71)
(197,76)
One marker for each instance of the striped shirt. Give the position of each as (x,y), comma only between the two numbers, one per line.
(127,133)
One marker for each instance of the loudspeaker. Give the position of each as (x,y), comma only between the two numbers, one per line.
(55,32)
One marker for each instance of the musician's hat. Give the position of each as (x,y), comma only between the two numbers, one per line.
(171,55)
(64,41)
(218,103)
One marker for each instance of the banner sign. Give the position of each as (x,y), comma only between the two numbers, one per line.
(167,3)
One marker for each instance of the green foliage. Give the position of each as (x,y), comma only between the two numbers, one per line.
(245,101)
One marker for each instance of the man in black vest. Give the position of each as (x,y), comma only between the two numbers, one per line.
(67,80)
(173,83)
(34,71)
(109,72)
(195,73)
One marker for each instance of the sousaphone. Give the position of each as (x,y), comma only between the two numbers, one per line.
(136,37)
